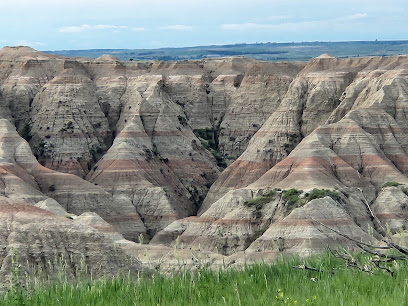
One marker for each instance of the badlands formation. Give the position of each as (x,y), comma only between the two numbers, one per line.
(134,163)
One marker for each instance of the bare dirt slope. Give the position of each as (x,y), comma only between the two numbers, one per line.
(138,149)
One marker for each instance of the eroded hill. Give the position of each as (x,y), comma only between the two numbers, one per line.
(220,155)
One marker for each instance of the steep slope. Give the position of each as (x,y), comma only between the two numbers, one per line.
(24,178)
(325,90)
(38,240)
(71,111)
(356,155)
(144,145)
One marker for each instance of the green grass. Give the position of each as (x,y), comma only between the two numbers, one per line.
(260,284)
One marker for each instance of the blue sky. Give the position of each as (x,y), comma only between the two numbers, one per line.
(85,24)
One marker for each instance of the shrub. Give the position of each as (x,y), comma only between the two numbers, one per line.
(207,134)
(259,202)
(321,193)
(41,148)
(219,157)
(155,150)
(51,188)
(291,196)
(67,127)
(26,132)
(391,184)
(182,120)
(207,139)
(96,152)
(263,199)
(292,199)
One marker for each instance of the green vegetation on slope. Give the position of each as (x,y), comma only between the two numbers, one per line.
(321,193)
(208,139)
(291,198)
(258,203)
(391,184)
(262,200)
(260,284)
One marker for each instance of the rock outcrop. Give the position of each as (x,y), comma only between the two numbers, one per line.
(35,240)
(306,144)
(160,121)
(136,151)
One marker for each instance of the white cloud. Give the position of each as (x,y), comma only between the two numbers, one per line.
(247,26)
(177,27)
(28,43)
(84,27)
(138,29)
(354,17)
(294,26)
(273,18)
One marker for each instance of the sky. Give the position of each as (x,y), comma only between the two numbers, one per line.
(147,24)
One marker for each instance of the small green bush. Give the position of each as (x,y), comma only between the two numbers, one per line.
(96,152)
(67,127)
(321,193)
(155,150)
(391,184)
(207,139)
(52,188)
(182,120)
(259,202)
(291,196)
(26,132)
(219,157)
(263,199)
(292,199)
(207,134)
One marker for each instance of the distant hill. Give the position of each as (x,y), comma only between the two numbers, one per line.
(270,51)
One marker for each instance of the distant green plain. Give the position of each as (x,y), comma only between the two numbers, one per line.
(270,51)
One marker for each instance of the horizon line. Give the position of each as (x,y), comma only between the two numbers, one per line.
(230,44)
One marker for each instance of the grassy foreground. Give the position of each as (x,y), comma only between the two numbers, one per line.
(261,284)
